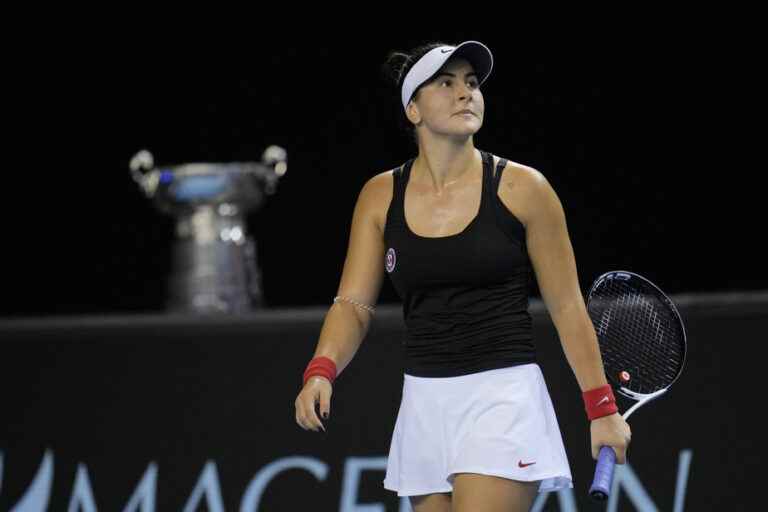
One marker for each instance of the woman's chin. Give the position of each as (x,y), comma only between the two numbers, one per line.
(468,132)
(469,126)
(454,131)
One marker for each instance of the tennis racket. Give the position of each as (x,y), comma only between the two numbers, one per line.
(643,346)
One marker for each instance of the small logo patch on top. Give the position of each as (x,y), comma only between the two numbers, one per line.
(390,260)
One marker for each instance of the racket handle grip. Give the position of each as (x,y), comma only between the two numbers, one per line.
(601,485)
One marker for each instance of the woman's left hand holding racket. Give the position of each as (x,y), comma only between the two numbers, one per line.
(611,430)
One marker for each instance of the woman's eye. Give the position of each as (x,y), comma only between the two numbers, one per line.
(471,84)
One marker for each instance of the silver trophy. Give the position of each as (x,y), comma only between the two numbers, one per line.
(214,258)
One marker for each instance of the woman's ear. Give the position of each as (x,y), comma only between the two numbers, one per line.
(412,113)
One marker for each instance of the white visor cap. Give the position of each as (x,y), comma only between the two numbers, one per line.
(474,51)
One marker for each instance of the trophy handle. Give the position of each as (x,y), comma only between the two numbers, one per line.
(276,158)
(141,167)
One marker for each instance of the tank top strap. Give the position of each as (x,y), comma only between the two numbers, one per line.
(486,206)
(405,173)
(497,174)
(401,175)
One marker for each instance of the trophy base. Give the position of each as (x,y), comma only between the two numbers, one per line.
(220,277)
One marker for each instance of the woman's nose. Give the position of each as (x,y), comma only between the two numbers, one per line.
(464,91)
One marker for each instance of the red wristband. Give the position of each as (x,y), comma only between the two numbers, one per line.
(321,366)
(599,402)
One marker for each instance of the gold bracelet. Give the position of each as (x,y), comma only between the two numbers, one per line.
(365,306)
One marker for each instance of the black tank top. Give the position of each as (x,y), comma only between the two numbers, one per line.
(465,296)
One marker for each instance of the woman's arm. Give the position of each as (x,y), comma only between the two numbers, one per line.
(346,325)
(551,254)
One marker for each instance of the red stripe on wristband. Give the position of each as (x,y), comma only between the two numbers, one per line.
(321,366)
(599,402)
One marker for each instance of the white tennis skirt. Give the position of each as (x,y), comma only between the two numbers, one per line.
(494,422)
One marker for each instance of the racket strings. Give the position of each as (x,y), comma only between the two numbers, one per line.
(640,342)
(639,334)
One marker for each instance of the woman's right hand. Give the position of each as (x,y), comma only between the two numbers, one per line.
(316,390)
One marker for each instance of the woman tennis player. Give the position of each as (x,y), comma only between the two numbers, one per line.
(458,231)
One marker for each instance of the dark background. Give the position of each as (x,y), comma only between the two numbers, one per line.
(624,121)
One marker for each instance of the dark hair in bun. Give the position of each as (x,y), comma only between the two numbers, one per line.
(396,67)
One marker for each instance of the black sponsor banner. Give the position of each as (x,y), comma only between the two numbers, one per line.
(188,413)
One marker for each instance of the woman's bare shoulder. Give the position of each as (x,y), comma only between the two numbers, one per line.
(517,173)
(520,187)
(377,194)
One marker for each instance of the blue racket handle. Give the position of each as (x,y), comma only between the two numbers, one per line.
(601,485)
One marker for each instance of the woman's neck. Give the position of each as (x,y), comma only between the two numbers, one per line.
(444,162)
